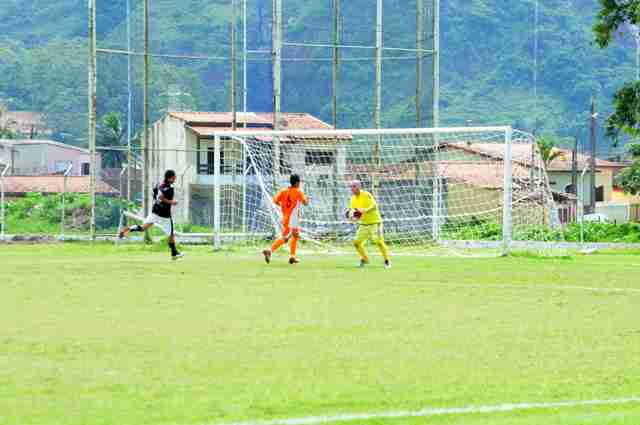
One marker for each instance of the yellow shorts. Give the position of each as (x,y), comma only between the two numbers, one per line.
(372,232)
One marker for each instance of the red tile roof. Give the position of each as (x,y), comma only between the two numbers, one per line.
(522,153)
(54,184)
(257,120)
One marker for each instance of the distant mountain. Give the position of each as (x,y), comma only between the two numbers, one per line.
(486,47)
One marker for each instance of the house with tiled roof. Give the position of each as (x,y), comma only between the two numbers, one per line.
(184,141)
(559,170)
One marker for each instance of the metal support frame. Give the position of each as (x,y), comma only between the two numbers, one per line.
(507,204)
(64,195)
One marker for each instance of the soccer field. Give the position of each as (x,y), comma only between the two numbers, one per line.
(121,335)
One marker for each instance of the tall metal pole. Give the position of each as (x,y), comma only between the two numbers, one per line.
(277,62)
(378,96)
(145,137)
(535,65)
(129,105)
(277,84)
(336,61)
(419,56)
(234,68)
(594,129)
(244,62)
(93,81)
(436,63)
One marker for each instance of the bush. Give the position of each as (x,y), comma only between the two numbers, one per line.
(593,232)
(38,213)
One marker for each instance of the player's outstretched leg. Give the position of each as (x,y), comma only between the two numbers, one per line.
(137,228)
(276,246)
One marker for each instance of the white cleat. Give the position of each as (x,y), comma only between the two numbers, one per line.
(177,257)
(387,264)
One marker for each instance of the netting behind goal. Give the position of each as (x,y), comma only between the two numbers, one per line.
(460,187)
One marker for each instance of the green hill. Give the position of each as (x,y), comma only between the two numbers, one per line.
(487,61)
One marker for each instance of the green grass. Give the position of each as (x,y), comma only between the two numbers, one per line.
(105,335)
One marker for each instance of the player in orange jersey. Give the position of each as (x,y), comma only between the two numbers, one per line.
(289,200)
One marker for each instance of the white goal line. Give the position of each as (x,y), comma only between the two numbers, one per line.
(427,412)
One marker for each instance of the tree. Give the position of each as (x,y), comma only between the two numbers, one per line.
(547,146)
(6,124)
(613,19)
(112,134)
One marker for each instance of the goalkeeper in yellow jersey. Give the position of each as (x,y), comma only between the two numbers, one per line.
(365,210)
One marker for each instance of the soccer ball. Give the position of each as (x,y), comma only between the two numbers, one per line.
(353,214)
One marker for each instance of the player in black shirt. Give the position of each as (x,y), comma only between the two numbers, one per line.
(163,200)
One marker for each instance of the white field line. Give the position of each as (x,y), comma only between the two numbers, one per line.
(534,286)
(427,412)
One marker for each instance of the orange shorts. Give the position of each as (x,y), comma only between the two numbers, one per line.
(286,229)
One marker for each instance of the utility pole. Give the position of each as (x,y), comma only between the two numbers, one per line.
(277,61)
(574,166)
(234,69)
(436,63)
(244,61)
(145,137)
(594,129)
(378,97)
(336,60)
(419,56)
(129,105)
(93,81)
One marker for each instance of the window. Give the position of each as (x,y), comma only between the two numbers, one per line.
(319,157)
(86,169)
(211,161)
(600,194)
(61,166)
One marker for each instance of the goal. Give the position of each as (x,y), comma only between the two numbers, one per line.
(460,188)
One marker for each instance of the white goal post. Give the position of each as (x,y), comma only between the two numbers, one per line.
(433,185)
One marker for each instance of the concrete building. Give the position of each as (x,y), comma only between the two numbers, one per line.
(44,157)
(184,141)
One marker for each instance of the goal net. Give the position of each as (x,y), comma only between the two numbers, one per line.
(457,188)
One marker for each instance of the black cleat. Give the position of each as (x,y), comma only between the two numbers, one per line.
(267,256)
